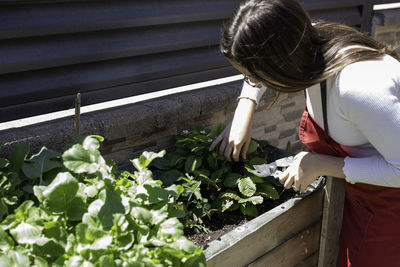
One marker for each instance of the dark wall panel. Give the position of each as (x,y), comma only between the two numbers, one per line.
(50,50)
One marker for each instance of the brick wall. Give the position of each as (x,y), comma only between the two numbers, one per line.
(386,27)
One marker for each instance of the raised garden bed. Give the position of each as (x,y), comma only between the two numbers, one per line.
(287,235)
(132,212)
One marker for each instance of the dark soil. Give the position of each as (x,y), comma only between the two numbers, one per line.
(221,224)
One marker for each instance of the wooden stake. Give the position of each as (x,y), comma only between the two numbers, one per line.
(78,114)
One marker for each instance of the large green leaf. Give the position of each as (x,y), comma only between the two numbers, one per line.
(249,209)
(171,227)
(112,205)
(247,187)
(76,208)
(41,163)
(79,160)
(6,241)
(268,190)
(14,259)
(232,179)
(143,215)
(156,194)
(26,233)
(60,192)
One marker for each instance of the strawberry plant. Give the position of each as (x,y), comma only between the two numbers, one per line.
(76,209)
(220,185)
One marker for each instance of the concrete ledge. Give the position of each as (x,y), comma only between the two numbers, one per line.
(143,125)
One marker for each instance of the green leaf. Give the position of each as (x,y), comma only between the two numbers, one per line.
(106,261)
(161,163)
(79,160)
(18,157)
(142,214)
(41,163)
(60,192)
(26,233)
(255,178)
(170,177)
(156,194)
(92,142)
(112,205)
(171,227)
(183,244)
(192,163)
(146,158)
(212,160)
(247,187)
(249,209)
(76,208)
(252,147)
(47,247)
(232,179)
(14,259)
(254,199)
(6,241)
(257,161)
(230,195)
(267,190)
(55,230)
(223,204)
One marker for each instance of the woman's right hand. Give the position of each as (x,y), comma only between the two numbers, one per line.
(235,138)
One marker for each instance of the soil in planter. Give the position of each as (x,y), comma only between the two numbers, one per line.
(221,224)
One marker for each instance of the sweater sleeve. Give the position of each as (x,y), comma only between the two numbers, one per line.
(254,93)
(370,95)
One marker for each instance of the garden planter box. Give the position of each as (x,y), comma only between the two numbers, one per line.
(288,235)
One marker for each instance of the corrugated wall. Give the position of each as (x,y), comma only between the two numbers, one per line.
(51,50)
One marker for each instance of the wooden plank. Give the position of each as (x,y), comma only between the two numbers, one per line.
(331,222)
(273,228)
(293,251)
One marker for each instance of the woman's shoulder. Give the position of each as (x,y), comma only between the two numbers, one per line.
(376,75)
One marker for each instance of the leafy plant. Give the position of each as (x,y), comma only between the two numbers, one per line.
(84,212)
(220,185)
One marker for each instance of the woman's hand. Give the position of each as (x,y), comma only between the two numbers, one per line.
(307,167)
(235,138)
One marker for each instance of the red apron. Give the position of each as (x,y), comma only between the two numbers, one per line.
(370,235)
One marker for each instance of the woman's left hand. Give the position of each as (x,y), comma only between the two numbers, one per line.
(302,172)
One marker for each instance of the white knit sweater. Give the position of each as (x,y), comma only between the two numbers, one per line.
(363,106)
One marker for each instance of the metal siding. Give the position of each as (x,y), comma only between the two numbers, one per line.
(107,50)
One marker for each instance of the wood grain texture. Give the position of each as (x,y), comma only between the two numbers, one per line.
(331,222)
(238,250)
(293,251)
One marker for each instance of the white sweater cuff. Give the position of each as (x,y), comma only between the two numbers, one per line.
(254,93)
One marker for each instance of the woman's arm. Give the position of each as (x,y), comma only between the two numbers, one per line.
(307,166)
(235,138)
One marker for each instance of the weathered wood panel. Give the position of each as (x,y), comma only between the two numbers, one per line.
(267,232)
(293,251)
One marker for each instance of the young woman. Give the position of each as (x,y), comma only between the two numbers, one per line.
(351,121)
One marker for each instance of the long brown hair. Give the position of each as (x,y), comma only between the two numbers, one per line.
(278,44)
